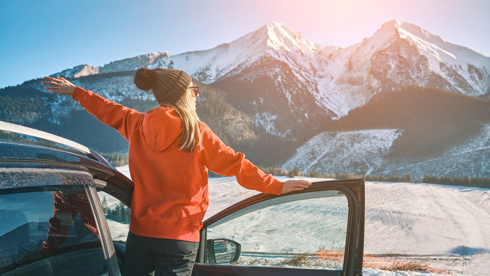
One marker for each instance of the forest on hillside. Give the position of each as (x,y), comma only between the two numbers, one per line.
(432,120)
(30,107)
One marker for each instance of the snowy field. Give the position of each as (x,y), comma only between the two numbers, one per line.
(442,227)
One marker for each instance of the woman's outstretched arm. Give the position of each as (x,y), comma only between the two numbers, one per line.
(121,118)
(224,160)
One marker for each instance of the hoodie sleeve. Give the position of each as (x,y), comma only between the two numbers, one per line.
(222,159)
(121,118)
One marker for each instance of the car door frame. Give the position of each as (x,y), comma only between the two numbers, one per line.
(354,190)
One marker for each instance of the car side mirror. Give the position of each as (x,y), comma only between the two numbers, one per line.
(219,251)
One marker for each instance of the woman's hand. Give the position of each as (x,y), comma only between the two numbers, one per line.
(59,85)
(295,185)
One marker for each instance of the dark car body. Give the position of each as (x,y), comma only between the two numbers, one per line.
(54,222)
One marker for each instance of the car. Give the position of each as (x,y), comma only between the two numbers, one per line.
(56,219)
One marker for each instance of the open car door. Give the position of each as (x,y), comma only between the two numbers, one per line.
(317,231)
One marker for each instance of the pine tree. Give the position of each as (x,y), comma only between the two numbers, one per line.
(105,207)
(314,173)
(296,171)
(119,213)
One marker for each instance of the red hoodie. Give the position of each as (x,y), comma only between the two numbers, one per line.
(170,194)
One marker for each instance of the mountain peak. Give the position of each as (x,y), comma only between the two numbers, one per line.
(395,23)
(280,36)
(404,28)
(388,30)
(279,27)
(78,71)
(394,29)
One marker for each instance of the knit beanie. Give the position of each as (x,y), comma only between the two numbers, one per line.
(167,85)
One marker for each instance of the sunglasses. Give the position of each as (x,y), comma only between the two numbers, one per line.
(195,90)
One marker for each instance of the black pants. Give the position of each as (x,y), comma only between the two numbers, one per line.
(165,256)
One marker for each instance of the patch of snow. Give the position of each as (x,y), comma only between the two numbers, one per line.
(124,170)
(267,121)
(332,152)
(119,231)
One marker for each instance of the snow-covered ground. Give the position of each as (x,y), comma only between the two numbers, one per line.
(443,227)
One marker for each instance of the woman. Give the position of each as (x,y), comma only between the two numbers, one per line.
(170,152)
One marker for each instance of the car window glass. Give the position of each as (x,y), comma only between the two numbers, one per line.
(117,215)
(49,233)
(302,230)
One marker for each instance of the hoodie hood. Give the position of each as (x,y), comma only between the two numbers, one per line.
(161,127)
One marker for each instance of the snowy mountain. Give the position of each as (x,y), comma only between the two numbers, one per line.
(336,80)
(358,152)
(280,89)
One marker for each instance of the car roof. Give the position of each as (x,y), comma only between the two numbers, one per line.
(13,178)
(33,137)
(36,153)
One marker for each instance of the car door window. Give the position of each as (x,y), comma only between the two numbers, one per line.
(117,215)
(301,230)
(49,232)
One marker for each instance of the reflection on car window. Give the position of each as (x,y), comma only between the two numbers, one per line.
(304,230)
(49,233)
(117,215)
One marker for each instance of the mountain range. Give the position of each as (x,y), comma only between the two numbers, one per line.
(271,91)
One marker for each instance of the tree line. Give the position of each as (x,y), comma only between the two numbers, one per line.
(481,182)
(433,120)
(120,213)
(116,159)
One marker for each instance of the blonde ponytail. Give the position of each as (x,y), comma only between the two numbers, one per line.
(190,122)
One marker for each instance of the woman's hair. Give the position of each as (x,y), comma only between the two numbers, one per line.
(190,122)
(147,79)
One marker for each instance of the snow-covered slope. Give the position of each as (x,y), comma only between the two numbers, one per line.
(465,69)
(364,152)
(353,151)
(472,158)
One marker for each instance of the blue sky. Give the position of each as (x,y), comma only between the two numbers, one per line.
(44,37)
